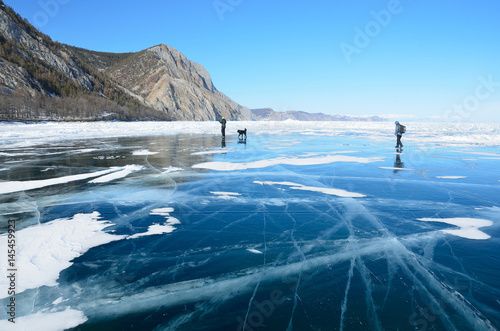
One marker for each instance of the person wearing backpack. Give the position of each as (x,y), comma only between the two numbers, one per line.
(400,129)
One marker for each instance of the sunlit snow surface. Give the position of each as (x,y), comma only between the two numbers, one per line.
(303,226)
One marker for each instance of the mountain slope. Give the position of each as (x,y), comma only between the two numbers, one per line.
(42,79)
(166,80)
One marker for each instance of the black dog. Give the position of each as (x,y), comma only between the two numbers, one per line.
(242,133)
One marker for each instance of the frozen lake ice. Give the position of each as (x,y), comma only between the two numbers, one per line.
(305,226)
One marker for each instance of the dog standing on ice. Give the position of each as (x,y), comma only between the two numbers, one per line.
(242,133)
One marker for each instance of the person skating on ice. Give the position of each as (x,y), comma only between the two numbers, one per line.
(400,129)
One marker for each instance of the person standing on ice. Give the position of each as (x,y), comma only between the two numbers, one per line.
(400,129)
(223,127)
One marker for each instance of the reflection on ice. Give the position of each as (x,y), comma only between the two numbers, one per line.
(395,168)
(398,165)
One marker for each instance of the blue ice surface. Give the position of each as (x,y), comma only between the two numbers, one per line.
(248,256)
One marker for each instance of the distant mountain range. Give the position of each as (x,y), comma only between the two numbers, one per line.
(268,114)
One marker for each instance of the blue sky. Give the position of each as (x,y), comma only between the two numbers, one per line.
(405,59)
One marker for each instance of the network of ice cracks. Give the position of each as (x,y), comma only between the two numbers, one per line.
(309,232)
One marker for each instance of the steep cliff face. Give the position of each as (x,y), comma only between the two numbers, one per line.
(159,79)
(167,81)
(33,46)
(14,77)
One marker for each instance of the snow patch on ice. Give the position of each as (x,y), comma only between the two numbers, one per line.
(86,150)
(124,172)
(41,321)
(254,251)
(162,211)
(171,169)
(296,161)
(19,186)
(226,195)
(451,177)
(108,157)
(59,300)
(468,227)
(154,229)
(16,154)
(144,152)
(325,190)
(43,251)
(216,151)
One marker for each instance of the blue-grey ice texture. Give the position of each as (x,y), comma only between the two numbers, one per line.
(303,226)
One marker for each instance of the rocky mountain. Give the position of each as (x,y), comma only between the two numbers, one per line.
(166,80)
(268,114)
(41,79)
